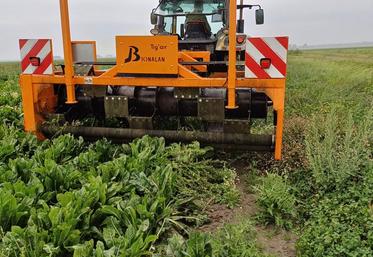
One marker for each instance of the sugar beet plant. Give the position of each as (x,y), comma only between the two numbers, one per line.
(10,97)
(68,198)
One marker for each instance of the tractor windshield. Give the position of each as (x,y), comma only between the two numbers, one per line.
(185,7)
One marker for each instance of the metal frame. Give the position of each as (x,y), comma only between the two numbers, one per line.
(38,95)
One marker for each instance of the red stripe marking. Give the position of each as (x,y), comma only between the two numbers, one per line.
(284,41)
(44,65)
(269,53)
(33,53)
(22,43)
(255,68)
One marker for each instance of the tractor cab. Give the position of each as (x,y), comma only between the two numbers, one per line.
(197,23)
(201,25)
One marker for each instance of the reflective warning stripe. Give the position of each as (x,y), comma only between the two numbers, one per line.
(274,48)
(38,48)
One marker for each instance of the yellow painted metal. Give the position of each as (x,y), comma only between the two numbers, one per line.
(200,82)
(68,56)
(274,88)
(38,97)
(147,54)
(277,96)
(30,121)
(187,73)
(204,55)
(186,57)
(232,55)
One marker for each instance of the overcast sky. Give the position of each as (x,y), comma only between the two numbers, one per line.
(305,21)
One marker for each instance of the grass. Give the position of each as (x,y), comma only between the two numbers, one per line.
(327,153)
(330,107)
(320,80)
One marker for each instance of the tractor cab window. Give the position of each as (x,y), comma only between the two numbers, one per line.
(183,7)
(195,17)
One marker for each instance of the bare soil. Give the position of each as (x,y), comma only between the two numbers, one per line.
(273,241)
(277,243)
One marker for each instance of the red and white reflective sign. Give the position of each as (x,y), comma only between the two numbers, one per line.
(273,48)
(36,56)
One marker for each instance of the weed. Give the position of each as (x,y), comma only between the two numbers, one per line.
(233,240)
(276,202)
(340,222)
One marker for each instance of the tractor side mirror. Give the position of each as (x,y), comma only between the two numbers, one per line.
(259,16)
(153,19)
(217,17)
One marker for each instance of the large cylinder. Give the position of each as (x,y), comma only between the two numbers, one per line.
(162,101)
(237,141)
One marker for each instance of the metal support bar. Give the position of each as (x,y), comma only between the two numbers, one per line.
(259,84)
(30,119)
(68,56)
(232,55)
(194,63)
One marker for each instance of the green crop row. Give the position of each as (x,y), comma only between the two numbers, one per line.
(65,197)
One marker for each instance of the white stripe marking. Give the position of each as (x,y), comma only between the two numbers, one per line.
(30,69)
(42,55)
(49,70)
(276,47)
(254,52)
(28,47)
(249,73)
(273,72)
(44,52)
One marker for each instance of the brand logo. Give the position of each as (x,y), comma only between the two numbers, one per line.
(133,55)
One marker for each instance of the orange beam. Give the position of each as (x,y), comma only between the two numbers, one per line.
(67,48)
(186,73)
(205,55)
(163,82)
(188,58)
(232,55)
(30,119)
(278,97)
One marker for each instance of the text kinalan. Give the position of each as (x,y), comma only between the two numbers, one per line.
(153,59)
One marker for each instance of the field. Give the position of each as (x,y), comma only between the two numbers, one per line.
(67,197)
